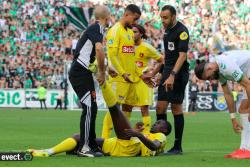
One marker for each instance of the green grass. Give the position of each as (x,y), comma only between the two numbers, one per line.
(207,138)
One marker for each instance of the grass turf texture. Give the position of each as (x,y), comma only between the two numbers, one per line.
(207,138)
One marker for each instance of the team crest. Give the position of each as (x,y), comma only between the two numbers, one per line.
(183,36)
(220,103)
(171,46)
(141,55)
(110,41)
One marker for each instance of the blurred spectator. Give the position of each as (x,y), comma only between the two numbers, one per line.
(36,37)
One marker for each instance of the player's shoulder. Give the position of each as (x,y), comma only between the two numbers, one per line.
(96,27)
(182,31)
(115,29)
(182,27)
(147,45)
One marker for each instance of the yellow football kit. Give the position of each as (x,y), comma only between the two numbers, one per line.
(154,136)
(122,148)
(144,53)
(121,55)
(133,147)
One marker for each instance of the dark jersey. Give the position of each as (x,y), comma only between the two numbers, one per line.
(85,49)
(175,40)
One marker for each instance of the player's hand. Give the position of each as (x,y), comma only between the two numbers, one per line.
(112,72)
(249,117)
(132,133)
(126,77)
(157,79)
(236,126)
(139,126)
(101,78)
(169,83)
(147,79)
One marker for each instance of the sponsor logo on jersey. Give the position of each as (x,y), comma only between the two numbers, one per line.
(128,49)
(139,64)
(171,46)
(183,36)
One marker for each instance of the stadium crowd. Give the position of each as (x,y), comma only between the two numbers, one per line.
(36,38)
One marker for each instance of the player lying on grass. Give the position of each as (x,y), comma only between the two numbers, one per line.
(234,66)
(129,142)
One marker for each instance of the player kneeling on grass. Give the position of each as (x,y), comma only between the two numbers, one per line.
(235,66)
(129,142)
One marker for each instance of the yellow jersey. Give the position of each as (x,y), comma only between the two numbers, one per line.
(121,52)
(143,53)
(153,136)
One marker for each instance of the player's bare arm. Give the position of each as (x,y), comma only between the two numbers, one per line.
(230,103)
(169,82)
(100,56)
(152,145)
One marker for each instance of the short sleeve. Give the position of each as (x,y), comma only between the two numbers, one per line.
(154,54)
(161,137)
(183,41)
(95,35)
(229,68)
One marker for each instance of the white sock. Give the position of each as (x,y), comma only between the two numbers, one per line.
(50,151)
(248,137)
(244,132)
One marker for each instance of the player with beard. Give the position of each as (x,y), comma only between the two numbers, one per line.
(232,65)
(175,73)
(121,56)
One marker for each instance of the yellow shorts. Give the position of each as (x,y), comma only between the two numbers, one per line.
(144,94)
(125,92)
(120,148)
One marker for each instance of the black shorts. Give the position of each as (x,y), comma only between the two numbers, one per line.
(176,95)
(81,80)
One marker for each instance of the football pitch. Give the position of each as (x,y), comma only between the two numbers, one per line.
(207,138)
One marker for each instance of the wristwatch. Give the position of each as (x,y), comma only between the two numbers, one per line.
(173,73)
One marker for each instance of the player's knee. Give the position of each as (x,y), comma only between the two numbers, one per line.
(76,137)
(144,111)
(160,109)
(127,108)
(176,109)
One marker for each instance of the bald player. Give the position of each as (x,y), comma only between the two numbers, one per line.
(89,48)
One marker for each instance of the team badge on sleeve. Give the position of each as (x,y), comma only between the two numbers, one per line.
(110,41)
(183,36)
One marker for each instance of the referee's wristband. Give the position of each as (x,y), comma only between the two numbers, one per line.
(232,115)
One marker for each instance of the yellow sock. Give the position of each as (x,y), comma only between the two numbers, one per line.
(66,145)
(147,124)
(108,95)
(128,114)
(107,126)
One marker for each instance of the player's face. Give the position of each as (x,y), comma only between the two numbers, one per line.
(131,19)
(158,126)
(210,73)
(167,19)
(108,20)
(137,34)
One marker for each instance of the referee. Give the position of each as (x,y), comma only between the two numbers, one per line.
(89,48)
(175,73)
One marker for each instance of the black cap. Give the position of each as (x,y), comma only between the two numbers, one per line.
(199,69)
